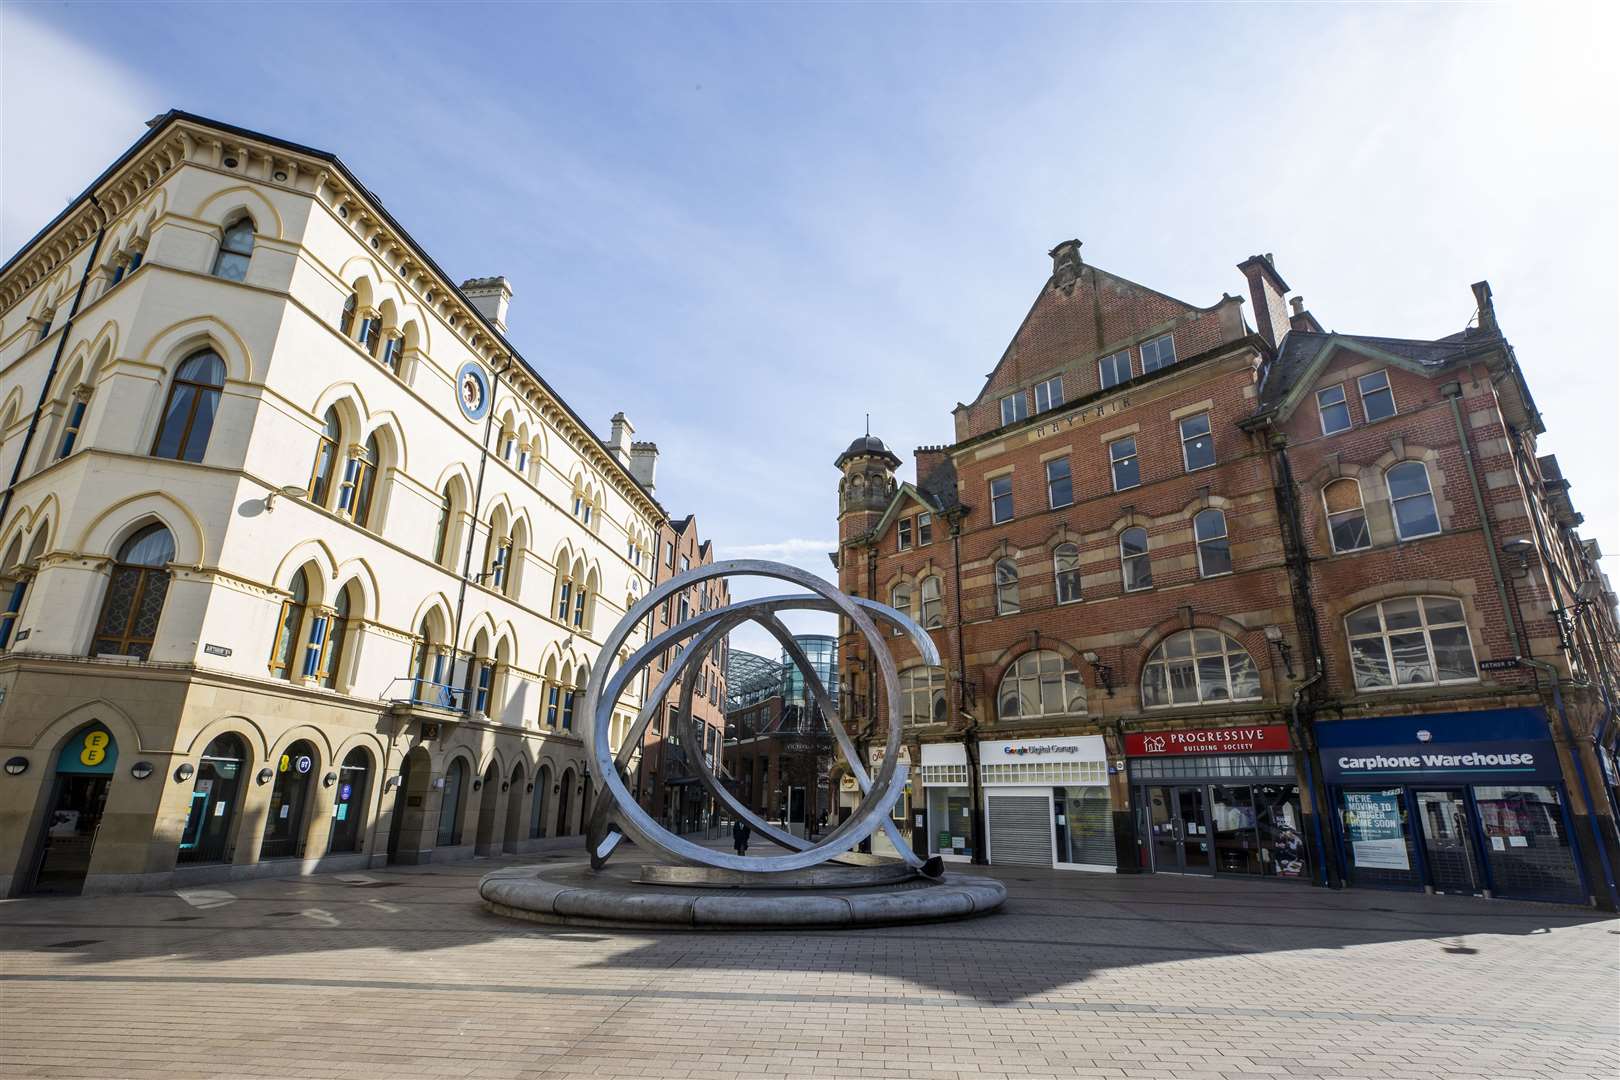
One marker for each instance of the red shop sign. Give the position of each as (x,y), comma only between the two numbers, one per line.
(1226,740)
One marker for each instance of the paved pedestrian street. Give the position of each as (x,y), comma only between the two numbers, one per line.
(400,973)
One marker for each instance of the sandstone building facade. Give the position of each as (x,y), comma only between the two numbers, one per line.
(305,566)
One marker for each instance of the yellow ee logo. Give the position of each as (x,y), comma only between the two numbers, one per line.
(285,759)
(95,748)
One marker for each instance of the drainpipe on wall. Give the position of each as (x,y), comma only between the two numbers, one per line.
(472,536)
(1452,391)
(56,361)
(1551,672)
(1307,752)
(970,741)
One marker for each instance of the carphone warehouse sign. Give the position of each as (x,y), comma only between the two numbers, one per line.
(1505,745)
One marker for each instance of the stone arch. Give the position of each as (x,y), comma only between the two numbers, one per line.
(179,340)
(307,732)
(390,437)
(250,731)
(307,552)
(56,734)
(358,572)
(118,521)
(223,207)
(1252,640)
(1034,642)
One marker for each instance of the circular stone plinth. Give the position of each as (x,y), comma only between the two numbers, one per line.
(838,874)
(577,895)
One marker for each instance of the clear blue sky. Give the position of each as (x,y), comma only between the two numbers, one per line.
(749,225)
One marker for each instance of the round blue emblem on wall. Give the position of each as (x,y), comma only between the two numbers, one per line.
(472,390)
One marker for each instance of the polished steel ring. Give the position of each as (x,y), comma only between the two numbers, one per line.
(616,813)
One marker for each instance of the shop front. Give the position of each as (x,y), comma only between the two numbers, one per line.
(1047,803)
(1453,802)
(1217,801)
(948,804)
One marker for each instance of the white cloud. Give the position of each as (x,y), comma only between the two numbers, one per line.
(786,550)
(66,112)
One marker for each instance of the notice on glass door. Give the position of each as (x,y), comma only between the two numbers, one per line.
(1372,823)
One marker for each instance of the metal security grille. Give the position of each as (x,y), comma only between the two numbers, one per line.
(1021,830)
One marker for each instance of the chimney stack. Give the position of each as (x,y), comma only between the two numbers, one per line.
(1487,310)
(644,464)
(490,295)
(1065,263)
(619,437)
(1269,292)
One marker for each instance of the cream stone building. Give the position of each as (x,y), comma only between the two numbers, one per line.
(305,568)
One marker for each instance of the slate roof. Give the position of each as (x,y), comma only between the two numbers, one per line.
(1300,348)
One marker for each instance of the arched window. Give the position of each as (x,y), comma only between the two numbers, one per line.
(1041,683)
(1346,517)
(1066,572)
(1006,587)
(441,532)
(1412,641)
(78,403)
(479,674)
(349,810)
(553,693)
(1214,549)
(15,590)
(370,336)
(393,349)
(1133,559)
(326,453)
(1412,500)
(1198,666)
(933,604)
(289,801)
(337,630)
(565,594)
(922,695)
(215,799)
(362,479)
(188,415)
(346,320)
(135,593)
(900,600)
(288,625)
(455,778)
(235,250)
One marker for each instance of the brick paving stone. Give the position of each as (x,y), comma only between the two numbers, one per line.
(1079,976)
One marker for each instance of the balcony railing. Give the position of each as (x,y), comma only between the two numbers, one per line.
(425,694)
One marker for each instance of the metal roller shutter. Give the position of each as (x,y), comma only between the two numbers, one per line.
(1021,829)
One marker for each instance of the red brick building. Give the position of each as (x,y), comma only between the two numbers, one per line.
(1193,582)
(663,777)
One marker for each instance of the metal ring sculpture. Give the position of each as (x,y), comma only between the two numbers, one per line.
(617,814)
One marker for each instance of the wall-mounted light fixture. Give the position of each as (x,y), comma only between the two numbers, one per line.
(16,766)
(265,775)
(141,770)
(392,782)
(329,779)
(1099,670)
(291,491)
(1520,549)
(478,785)
(529,788)
(438,783)
(185,772)
(505,785)
(1274,634)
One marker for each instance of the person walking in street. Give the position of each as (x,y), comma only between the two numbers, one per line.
(739,836)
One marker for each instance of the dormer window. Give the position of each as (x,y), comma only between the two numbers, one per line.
(1377,399)
(1158,353)
(903,542)
(1049,394)
(925,529)
(1014,407)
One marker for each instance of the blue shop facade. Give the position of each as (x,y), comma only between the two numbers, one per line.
(1468,802)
